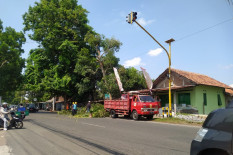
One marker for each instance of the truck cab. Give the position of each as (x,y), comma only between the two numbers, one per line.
(144,105)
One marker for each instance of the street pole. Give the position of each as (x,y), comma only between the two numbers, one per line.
(169,68)
(169,74)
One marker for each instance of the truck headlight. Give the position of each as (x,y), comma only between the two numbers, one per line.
(201,134)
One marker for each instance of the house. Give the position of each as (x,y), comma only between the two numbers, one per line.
(57,103)
(192,90)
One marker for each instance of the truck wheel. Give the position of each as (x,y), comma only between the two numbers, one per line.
(113,114)
(150,117)
(135,115)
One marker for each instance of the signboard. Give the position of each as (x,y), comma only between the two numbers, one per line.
(106,96)
(118,79)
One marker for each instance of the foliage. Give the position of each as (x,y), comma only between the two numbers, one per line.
(18,97)
(132,79)
(97,110)
(63,64)
(105,50)
(11,62)
(72,60)
(39,95)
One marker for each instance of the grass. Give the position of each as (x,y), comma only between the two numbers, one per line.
(177,121)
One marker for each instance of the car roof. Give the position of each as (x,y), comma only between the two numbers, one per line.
(220,119)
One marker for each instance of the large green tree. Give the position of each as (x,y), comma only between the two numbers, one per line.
(132,79)
(105,50)
(11,62)
(64,62)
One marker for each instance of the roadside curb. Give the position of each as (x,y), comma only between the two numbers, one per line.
(186,125)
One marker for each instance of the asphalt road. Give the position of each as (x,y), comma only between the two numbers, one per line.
(49,133)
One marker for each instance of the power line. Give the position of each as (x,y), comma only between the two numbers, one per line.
(194,33)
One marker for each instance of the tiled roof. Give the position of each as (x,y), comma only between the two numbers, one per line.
(198,79)
(229,91)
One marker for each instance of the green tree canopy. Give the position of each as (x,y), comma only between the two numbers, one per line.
(132,79)
(11,62)
(105,50)
(63,63)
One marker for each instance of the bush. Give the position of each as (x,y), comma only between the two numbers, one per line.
(97,110)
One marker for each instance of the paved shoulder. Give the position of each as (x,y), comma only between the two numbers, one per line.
(4,149)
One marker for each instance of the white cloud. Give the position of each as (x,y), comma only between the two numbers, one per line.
(144,22)
(228,66)
(133,62)
(155,52)
(231,85)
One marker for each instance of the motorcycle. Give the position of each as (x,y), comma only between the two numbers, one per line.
(14,121)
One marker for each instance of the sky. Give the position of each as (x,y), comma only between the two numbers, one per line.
(202,29)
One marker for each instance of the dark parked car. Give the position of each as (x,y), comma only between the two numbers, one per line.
(32,108)
(215,136)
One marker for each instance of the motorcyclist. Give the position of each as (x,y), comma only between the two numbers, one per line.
(4,114)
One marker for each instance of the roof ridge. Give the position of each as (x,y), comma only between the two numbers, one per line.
(189,72)
(225,85)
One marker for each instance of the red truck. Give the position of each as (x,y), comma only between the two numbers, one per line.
(134,105)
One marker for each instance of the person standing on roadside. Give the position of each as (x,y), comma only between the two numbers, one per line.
(88,106)
(74,108)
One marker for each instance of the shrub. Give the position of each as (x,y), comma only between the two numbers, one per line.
(97,110)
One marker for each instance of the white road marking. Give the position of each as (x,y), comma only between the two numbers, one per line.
(172,124)
(94,125)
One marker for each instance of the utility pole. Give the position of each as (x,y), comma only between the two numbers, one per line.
(132,18)
(169,74)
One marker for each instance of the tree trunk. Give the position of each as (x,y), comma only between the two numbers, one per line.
(103,71)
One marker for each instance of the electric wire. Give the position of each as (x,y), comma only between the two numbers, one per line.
(205,29)
(192,34)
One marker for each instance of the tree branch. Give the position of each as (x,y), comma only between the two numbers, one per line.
(3,63)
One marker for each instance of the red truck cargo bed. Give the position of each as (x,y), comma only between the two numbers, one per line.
(116,104)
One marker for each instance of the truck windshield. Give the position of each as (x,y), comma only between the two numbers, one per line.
(146,99)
